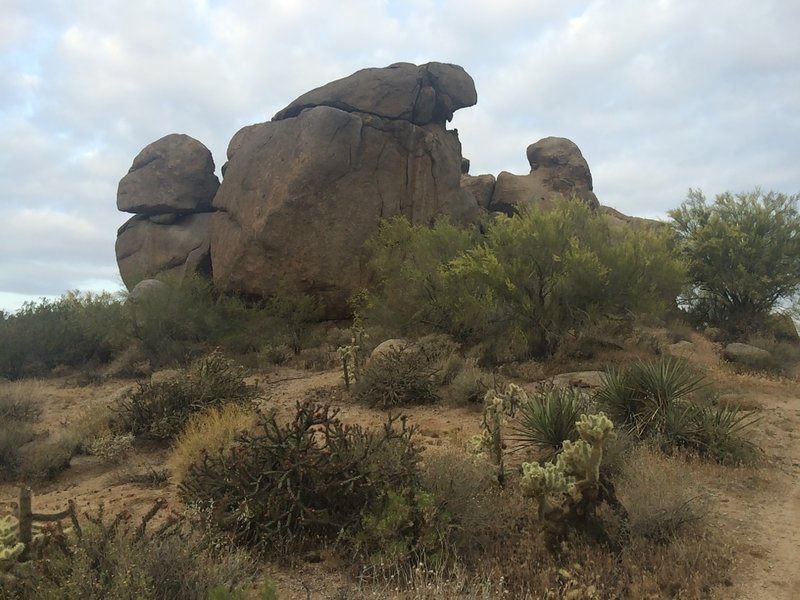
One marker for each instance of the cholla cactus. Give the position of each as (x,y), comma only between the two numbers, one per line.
(10,546)
(575,477)
(538,480)
(498,407)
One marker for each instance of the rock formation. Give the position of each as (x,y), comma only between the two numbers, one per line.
(303,192)
(169,187)
(558,169)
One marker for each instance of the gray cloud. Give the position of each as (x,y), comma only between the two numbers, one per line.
(660,96)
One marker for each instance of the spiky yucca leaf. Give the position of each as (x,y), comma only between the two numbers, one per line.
(548,418)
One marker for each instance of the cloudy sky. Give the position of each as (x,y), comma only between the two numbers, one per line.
(660,95)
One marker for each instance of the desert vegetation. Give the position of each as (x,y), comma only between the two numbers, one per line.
(455,461)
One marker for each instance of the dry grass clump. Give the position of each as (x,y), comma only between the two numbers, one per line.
(660,504)
(19,409)
(209,431)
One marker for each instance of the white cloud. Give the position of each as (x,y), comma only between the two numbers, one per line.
(659,95)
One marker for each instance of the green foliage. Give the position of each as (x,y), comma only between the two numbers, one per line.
(159,410)
(655,400)
(640,396)
(74,330)
(743,253)
(531,280)
(282,484)
(547,418)
(416,294)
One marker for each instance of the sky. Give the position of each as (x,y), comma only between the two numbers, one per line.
(660,96)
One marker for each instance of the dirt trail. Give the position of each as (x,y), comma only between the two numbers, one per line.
(770,515)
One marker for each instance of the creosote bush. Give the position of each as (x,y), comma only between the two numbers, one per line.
(531,280)
(159,410)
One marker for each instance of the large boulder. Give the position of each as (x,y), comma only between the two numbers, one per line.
(302,193)
(145,248)
(744,353)
(422,95)
(480,188)
(558,170)
(172,175)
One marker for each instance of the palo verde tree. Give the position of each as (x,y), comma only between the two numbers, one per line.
(743,254)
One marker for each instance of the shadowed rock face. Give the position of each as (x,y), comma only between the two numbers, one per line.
(146,248)
(303,192)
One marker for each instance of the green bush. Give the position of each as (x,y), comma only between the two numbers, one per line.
(416,296)
(532,279)
(159,410)
(76,330)
(283,485)
(743,253)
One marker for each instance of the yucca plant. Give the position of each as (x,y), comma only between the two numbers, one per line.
(719,433)
(642,395)
(619,395)
(548,418)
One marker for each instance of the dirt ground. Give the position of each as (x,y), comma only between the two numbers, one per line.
(761,504)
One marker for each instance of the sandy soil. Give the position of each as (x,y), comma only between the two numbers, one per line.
(760,504)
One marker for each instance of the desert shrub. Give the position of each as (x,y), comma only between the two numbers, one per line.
(159,410)
(19,409)
(74,330)
(530,281)
(191,316)
(399,376)
(13,435)
(656,400)
(46,458)
(212,431)
(743,253)
(469,385)
(463,492)
(546,418)
(121,558)
(282,485)
(416,296)
(110,447)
